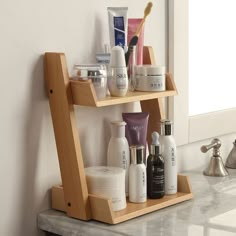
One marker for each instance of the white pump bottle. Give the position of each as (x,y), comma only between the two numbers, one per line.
(118,150)
(168,148)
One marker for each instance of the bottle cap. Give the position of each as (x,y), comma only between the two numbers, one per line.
(137,154)
(155,146)
(117,57)
(118,128)
(166,127)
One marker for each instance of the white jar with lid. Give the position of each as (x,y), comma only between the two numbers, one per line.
(150,78)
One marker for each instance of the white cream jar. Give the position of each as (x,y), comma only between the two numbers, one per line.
(150,78)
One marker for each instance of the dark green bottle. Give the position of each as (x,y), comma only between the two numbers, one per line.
(155,170)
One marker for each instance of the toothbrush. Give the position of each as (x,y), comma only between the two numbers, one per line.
(134,39)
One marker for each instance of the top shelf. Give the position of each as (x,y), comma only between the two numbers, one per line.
(83,94)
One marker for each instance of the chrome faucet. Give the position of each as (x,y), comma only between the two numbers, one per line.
(231,159)
(216,166)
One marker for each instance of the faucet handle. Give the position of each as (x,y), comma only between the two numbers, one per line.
(215,144)
(216,166)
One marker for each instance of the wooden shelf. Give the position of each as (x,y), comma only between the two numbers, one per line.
(73,197)
(101,207)
(83,94)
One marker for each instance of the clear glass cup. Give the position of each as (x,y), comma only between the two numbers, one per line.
(98,75)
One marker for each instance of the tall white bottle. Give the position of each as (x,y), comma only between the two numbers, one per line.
(118,150)
(137,175)
(168,148)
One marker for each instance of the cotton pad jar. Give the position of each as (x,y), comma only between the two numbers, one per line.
(107,182)
(150,78)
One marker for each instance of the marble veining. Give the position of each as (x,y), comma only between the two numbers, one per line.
(212,212)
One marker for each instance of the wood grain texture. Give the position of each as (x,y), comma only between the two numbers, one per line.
(101,207)
(109,101)
(154,107)
(58,200)
(134,210)
(184,184)
(83,93)
(66,136)
(170,84)
(148,56)
(73,197)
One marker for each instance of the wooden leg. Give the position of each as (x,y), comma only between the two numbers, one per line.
(67,138)
(156,112)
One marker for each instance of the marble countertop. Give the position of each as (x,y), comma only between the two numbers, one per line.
(212,212)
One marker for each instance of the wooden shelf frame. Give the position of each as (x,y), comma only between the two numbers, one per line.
(102,210)
(83,93)
(64,93)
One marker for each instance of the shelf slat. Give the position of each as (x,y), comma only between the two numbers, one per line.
(83,94)
(101,207)
(133,97)
(134,210)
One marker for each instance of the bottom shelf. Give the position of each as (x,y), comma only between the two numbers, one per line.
(101,207)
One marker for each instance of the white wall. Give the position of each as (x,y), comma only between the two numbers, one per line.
(28,162)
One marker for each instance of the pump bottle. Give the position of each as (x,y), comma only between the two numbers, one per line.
(137,175)
(155,170)
(118,150)
(168,147)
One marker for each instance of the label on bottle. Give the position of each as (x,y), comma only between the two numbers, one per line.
(156,85)
(157,180)
(121,80)
(144,179)
(119,27)
(155,177)
(124,160)
(170,171)
(173,157)
(137,183)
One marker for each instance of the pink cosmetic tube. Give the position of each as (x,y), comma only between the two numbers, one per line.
(132,28)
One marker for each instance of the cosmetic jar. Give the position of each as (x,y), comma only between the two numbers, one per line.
(150,78)
(107,182)
(98,75)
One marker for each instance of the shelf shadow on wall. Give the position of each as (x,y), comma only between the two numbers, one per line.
(30,185)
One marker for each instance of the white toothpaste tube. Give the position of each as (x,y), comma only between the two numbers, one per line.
(118,26)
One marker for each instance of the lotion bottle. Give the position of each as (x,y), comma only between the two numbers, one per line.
(118,150)
(155,170)
(117,73)
(168,148)
(137,175)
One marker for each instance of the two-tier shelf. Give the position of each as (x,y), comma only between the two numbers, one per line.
(72,196)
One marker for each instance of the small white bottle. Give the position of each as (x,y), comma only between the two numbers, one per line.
(117,73)
(118,150)
(137,175)
(168,148)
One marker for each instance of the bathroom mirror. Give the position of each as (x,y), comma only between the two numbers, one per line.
(201,57)
(212,50)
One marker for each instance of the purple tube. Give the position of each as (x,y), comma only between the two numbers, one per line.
(136,128)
